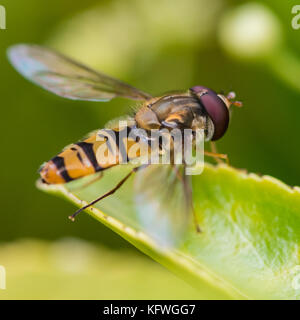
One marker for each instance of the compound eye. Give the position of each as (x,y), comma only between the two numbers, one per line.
(215,108)
(198,90)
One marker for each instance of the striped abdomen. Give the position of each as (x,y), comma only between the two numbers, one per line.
(88,156)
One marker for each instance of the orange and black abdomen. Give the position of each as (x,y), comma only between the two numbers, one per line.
(76,161)
(83,158)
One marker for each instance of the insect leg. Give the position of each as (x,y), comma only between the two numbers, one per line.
(97,177)
(214,154)
(112,191)
(189,195)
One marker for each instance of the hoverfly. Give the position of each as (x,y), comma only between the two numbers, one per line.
(162,190)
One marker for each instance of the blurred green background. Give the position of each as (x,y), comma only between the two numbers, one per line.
(156,46)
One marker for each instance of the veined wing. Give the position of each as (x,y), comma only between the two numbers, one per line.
(163,204)
(66,77)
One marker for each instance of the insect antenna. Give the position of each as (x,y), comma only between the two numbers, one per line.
(230,97)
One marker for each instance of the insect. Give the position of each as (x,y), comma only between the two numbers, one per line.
(163,192)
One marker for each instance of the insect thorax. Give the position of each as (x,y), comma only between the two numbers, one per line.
(181,111)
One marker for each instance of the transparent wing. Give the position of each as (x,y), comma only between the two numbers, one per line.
(163,205)
(67,78)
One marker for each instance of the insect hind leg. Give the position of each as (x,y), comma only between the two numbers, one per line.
(112,191)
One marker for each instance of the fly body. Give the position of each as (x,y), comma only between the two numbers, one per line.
(197,108)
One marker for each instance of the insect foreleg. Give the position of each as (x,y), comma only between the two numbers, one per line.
(214,154)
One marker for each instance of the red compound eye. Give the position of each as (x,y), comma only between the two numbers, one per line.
(215,108)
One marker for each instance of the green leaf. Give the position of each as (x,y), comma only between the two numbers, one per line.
(250,244)
(71,268)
